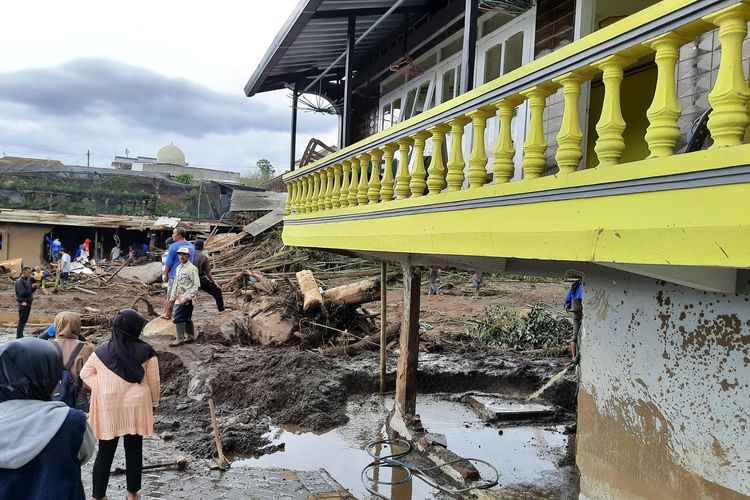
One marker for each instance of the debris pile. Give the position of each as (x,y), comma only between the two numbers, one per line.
(543,328)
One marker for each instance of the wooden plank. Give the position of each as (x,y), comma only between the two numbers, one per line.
(406,372)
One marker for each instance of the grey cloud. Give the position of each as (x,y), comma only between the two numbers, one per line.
(140,98)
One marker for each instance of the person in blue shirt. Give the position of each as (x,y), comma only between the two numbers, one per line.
(179,235)
(54,247)
(574,305)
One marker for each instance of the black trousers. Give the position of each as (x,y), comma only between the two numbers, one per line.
(133,464)
(214,291)
(23,318)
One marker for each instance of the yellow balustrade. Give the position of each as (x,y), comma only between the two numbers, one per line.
(662,133)
(455,176)
(315,204)
(344,196)
(386,186)
(364,161)
(503,165)
(373,190)
(289,195)
(418,175)
(728,120)
(309,197)
(336,193)
(477,172)
(322,190)
(352,197)
(611,125)
(402,173)
(535,147)
(436,170)
(329,188)
(570,136)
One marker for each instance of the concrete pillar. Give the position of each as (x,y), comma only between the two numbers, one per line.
(663,406)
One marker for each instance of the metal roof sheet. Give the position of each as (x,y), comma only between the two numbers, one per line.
(315,35)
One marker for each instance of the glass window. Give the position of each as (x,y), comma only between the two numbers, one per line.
(513,52)
(449,80)
(421,98)
(451,48)
(387,117)
(409,107)
(493,62)
(396,111)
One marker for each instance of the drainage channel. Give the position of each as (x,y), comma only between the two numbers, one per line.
(528,457)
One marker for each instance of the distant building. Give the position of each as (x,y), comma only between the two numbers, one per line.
(170,160)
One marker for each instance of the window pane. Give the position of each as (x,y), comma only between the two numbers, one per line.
(449,78)
(513,52)
(396,111)
(421,97)
(410,96)
(453,47)
(386,117)
(492,62)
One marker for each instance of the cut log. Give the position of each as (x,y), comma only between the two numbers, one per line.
(369,342)
(312,298)
(357,293)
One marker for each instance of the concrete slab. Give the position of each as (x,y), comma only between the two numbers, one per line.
(496,409)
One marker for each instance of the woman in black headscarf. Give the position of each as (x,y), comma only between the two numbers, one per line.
(123,375)
(43,443)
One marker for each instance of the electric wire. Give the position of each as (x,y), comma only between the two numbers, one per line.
(394,461)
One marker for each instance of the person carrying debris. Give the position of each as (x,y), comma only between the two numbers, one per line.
(182,291)
(207,283)
(123,374)
(25,288)
(63,265)
(574,305)
(43,443)
(172,261)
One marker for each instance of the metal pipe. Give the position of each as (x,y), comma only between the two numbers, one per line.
(346,129)
(364,35)
(293,148)
(470,45)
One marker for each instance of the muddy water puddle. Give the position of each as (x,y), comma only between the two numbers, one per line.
(527,455)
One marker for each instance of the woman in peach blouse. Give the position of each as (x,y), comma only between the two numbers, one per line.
(123,375)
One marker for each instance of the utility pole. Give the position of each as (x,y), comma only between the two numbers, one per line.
(88,157)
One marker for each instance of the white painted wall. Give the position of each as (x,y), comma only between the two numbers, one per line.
(683,353)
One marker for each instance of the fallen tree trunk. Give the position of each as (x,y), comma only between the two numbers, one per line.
(312,298)
(357,293)
(368,342)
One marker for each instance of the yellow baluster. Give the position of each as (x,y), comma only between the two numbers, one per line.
(417,183)
(455,177)
(302,196)
(289,196)
(364,162)
(310,191)
(344,198)
(477,172)
(503,166)
(386,186)
(535,146)
(402,173)
(373,191)
(570,136)
(323,189)
(316,191)
(662,133)
(728,120)
(436,171)
(329,188)
(336,193)
(354,183)
(611,125)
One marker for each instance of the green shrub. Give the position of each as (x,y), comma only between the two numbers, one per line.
(540,329)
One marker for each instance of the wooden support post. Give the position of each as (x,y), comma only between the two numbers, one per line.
(383,322)
(406,374)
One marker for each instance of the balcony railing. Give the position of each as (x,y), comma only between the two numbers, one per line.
(363,173)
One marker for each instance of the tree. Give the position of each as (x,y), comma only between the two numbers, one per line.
(262,173)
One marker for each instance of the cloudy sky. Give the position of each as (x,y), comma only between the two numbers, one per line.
(105,76)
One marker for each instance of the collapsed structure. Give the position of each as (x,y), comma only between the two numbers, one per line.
(606,137)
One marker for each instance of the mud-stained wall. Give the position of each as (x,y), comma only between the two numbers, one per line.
(664,400)
(25,241)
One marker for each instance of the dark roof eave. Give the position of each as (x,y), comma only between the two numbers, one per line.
(292,27)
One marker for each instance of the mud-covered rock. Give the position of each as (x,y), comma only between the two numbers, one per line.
(229,328)
(271,328)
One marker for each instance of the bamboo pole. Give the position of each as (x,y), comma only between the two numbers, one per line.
(217,437)
(383,295)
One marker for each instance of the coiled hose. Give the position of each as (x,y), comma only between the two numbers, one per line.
(394,461)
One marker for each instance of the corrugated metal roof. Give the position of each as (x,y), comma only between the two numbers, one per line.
(315,35)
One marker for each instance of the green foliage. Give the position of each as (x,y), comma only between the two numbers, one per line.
(262,173)
(506,327)
(186,178)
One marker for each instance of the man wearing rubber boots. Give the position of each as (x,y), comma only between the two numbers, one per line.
(181,293)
